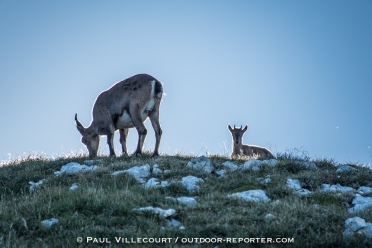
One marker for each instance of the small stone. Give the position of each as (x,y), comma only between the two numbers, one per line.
(186,200)
(220,172)
(201,163)
(73,187)
(73,167)
(355,223)
(269,216)
(156,170)
(161,212)
(345,167)
(251,195)
(190,182)
(49,223)
(230,165)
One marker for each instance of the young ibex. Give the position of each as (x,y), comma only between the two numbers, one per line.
(125,105)
(246,150)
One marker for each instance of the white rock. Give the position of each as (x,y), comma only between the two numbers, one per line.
(74,167)
(336,187)
(355,223)
(164,184)
(73,187)
(156,170)
(360,203)
(271,162)
(251,195)
(186,200)
(345,167)
(296,186)
(230,165)
(252,164)
(33,185)
(152,183)
(175,223)
(161,212)
(49,223)
(365,190)
(140,173)
(220,172)
(190,182)
(201,163)
(269,216)
(368,230)
(115,173)
(182,228)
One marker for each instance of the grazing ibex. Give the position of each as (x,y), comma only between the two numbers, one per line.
(125,105)
(246,150)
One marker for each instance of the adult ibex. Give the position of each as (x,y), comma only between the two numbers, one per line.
(246,150)
(125,105)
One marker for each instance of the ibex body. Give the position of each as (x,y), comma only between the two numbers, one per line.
(239,149)
(125,105)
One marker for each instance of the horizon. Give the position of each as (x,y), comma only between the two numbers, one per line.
(297,73)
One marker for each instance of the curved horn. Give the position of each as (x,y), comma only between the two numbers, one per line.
(79,126)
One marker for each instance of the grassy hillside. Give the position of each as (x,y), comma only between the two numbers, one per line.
(102,206)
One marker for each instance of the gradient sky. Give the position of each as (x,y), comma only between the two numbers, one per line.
(299,73)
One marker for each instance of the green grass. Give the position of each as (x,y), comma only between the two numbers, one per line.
(102,205)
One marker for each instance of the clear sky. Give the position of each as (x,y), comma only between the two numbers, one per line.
(299,73)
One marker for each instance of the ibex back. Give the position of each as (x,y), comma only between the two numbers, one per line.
(240,150)
(125,105)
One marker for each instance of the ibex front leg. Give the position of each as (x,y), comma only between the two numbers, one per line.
(110,141)
(154,118)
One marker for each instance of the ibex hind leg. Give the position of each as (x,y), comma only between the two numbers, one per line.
(142,132)
(154,118)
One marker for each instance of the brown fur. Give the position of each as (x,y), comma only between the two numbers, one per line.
(125,105)
(241,150)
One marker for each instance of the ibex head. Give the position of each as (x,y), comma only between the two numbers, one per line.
(90,138)
(237,134)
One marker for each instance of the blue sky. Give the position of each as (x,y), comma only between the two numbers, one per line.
(299,73)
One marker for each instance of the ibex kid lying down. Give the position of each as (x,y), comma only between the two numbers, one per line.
(125,105)
(246,150)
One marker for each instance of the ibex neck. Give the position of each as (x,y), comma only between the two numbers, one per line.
(237,148)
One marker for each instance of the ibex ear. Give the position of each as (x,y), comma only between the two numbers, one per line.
(245,128)
(229,127)
(79,126)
